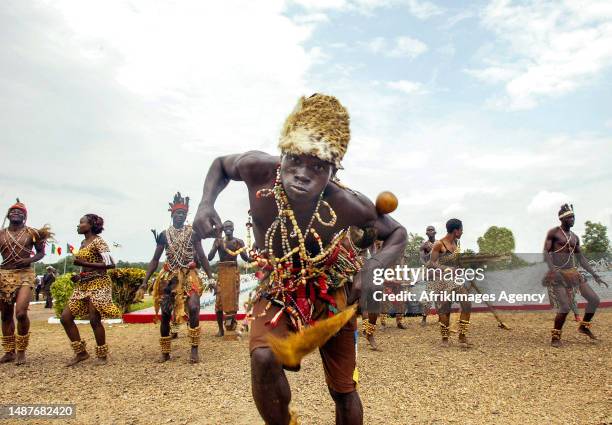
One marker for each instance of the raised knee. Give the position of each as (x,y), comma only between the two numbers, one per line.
(263,358)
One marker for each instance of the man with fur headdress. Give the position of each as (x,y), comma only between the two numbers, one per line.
(563,280)
(178,287)
(17,279)
(301,218)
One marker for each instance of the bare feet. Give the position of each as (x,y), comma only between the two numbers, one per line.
(445,343)
(8,357)
(586,331)
(555,343)
(77,358)
(220,333)
(373,345)
(230,323)
(194,358)
(100,361)
(164,358)
(424,321)
(464,343)
(21,358)
(401,325)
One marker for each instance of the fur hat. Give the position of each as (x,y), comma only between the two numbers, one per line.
(318,126)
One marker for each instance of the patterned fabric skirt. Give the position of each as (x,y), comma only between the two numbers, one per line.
(444,286)
(99,291)
(12,280)
(173,288)
(228,287)
(571,280)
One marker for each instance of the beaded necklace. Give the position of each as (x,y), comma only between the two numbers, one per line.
(287,284)
(180,251)
(230,252)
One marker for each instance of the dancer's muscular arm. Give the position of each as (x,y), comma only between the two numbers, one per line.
(243,254)
(213,250)
(201,257)
(549,244)
(154,263)
(423,253)
(585,265)
(249,167)
(436,248)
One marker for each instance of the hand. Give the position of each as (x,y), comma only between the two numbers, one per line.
(139,296)
(601,281)
(75,278)
(207,222)
(23,262)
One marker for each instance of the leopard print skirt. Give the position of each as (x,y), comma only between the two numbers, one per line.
(97,290)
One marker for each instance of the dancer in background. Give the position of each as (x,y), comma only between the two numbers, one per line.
(443,255)
(17,279)
(228,275)
(562,254)
(178,287)
(92,295)
(425,256)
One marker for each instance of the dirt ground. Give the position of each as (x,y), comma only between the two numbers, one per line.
(509,377)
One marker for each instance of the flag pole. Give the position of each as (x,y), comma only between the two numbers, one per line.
(65,258)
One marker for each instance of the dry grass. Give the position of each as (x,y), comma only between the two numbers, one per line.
(509,377)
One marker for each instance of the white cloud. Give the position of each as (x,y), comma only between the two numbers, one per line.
(322,4)
(419,9)
(545,48)
(406,87)
(310,18)
(453,208)
(407,47)
(546,202)
(493,74)
(376,45)
(126,102)
(424,9)
(400,47)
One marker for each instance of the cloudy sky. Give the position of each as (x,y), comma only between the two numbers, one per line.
(495,113)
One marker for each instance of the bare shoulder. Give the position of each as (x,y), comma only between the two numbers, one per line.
(552,233)
(436,245)
(359,205)
(257,165)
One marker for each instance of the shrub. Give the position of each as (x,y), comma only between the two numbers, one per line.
(61,290)
(125,285)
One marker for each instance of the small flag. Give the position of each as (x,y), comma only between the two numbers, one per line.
(59,250)
(69,248)
(52,248)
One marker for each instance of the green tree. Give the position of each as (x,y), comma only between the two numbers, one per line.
(411,252)
(496,240)
(595,242)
